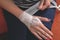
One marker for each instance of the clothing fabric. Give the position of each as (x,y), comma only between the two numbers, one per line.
(49,13)
(17,30)
(25,3)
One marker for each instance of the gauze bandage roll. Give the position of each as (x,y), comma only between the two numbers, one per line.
(29,20)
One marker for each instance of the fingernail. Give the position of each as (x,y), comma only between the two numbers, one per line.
(51,38)
(51,33)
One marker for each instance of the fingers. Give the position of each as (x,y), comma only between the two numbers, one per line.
(46,29)
(41,4)
(43,33)
(38,23)
(36,35)
(44,4)
(44,19)
(39,30)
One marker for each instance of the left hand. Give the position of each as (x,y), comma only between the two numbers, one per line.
(39,29)
(44,4)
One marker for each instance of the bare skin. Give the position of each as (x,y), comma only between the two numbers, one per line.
(44,4)
(40,31)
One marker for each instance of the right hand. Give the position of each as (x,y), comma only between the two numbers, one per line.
(44,4)
(39,30)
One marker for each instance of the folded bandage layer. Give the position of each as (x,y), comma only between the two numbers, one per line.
(29,20)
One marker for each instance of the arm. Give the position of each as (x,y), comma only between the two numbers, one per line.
(11,7)
(34,24)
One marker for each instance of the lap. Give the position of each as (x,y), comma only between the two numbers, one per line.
(18,31)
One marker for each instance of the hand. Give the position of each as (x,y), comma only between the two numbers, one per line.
(34,24)
(40,31)
(44,4)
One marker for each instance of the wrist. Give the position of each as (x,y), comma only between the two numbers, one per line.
(25,18)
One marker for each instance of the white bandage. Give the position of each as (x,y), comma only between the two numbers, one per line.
(25,18)
(36,21)
(29,20)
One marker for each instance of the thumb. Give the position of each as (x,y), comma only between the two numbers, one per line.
(44,19)
(41,4)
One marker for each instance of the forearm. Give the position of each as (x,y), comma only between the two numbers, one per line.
(11,7)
